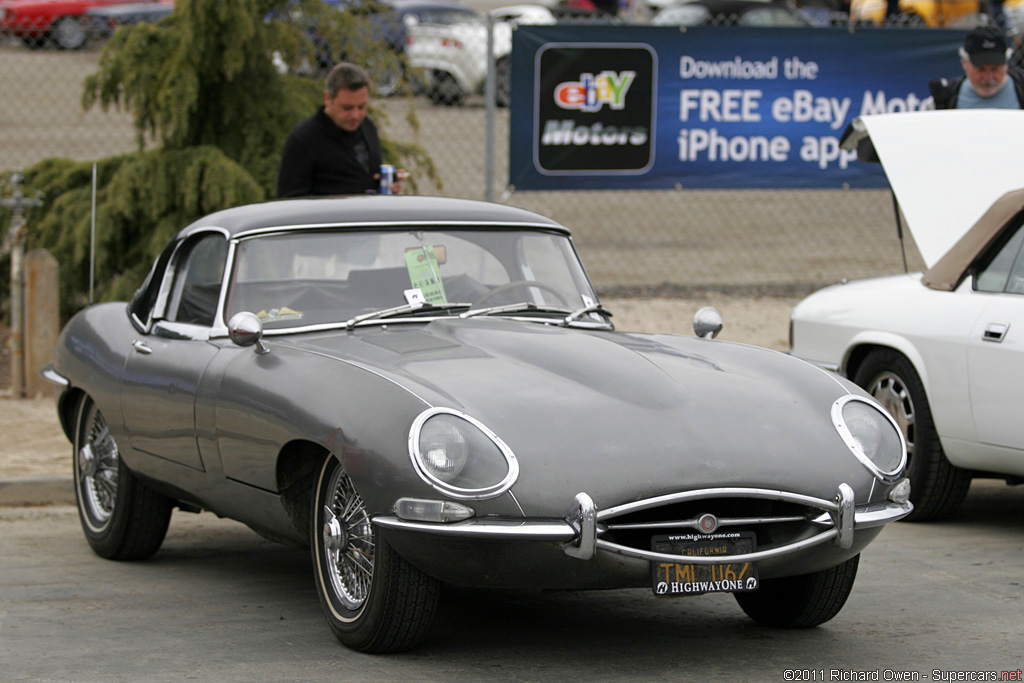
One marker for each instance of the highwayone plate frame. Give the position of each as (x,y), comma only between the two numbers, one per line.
(677,579)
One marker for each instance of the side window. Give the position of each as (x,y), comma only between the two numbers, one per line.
(197,281)
(1015,284)
(141,306)
(1005,272)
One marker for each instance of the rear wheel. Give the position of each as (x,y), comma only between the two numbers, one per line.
(936,487)
(445,90)
(374,600)
(122,519)
(801,601)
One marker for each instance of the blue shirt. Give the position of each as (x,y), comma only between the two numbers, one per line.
(1006,98)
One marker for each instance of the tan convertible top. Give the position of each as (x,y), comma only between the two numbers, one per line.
(949,270)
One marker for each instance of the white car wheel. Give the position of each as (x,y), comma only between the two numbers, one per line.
(936,487)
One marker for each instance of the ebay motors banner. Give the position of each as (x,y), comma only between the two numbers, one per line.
(629,107)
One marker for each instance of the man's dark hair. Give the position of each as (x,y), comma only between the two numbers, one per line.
(346,76)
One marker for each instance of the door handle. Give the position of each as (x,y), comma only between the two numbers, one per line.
(995,332)
(140,347)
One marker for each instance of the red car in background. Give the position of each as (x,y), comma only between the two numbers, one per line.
(60,22)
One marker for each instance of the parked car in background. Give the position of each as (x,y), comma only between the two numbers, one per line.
(39,22)
(101,22)
(454,58)
(943,350)
(389,20)
(427,389)
(951,13)
(731,13)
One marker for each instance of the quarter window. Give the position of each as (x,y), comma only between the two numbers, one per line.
(196,288)
(1005,272)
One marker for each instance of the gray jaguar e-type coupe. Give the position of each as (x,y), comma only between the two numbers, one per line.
(428,390)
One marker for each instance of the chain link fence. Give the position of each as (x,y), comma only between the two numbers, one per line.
(635,243)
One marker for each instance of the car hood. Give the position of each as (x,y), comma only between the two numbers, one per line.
(609,413)
(946,167)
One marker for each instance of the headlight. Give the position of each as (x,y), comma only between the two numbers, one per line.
(459,456)
(872,435)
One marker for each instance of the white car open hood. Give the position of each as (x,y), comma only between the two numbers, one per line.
(946,167)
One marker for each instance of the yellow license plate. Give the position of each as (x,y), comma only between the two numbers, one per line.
(683,578)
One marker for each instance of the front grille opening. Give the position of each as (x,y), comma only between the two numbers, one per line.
(768,534)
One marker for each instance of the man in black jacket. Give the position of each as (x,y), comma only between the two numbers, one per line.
(988,82)
(337,150)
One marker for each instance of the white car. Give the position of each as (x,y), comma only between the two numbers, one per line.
(943,350)
(453,57)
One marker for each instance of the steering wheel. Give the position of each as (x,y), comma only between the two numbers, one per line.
(518,284)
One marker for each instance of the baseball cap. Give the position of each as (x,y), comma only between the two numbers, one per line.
(986,45)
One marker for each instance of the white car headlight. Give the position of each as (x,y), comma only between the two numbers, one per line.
(459,456)
(873,436)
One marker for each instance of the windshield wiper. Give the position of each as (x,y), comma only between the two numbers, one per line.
(404,309)
(580,312)
(521,307)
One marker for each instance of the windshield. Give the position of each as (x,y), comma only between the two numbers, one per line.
(317,277)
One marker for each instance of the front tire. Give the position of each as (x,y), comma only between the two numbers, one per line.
(936,487)
(122,519)
(68,33)
(503,82)
(374,601)
(801,601)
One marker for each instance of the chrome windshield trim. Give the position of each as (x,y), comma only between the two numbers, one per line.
(343,325)
(551,530)
(398,225)
(217,333)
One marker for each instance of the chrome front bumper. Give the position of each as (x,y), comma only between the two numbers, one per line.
(581,530)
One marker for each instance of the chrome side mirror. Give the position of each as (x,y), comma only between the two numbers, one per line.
(246,329)
(707,323)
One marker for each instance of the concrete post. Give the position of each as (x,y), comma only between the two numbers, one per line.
(17,236)
(42,319)
(16,341)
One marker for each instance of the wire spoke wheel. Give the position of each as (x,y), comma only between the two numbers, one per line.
(374,600)
(348,542)
(96,471)
(121,517)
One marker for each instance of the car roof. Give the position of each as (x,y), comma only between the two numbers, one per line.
(946,168)
(367,210)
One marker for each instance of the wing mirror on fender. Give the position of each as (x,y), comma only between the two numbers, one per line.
(707,323)
(245,329)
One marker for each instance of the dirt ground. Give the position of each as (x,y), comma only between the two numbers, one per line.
(33,444)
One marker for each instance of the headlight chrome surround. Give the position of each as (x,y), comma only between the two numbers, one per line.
(853,434)
(460,429)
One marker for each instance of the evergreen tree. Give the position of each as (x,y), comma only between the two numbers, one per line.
(218,83)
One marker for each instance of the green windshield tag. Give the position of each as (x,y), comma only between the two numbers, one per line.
(425,275)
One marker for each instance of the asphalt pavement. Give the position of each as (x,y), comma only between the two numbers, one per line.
(938,601)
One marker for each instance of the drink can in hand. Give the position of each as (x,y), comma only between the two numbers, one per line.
(387,176)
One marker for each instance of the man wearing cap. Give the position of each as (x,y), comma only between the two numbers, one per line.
(988,83)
